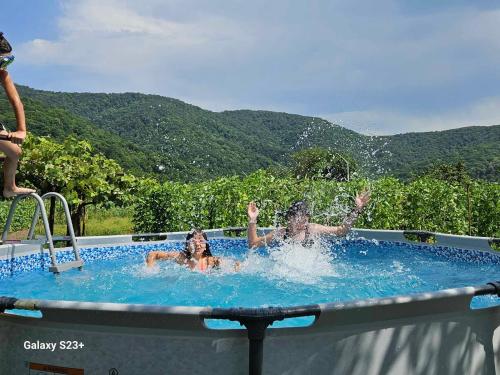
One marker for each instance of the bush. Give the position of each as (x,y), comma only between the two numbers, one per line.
(425,203)
(22,216)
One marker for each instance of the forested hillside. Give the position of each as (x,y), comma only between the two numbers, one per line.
(176,140)
(59,123)
(478,147)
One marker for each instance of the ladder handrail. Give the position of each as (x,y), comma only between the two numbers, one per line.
(48,234)
(40,209)
(68,221)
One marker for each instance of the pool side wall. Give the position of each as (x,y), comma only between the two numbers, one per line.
(424,334)
(431,333)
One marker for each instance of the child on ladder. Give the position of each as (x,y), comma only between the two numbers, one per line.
(9,142)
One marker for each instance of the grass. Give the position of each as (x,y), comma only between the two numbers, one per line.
(100,227)
(99,222)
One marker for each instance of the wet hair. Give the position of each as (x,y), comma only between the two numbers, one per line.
(5,47)
(297,208)
(190,235)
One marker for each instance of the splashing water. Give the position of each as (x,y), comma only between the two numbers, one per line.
(292,262)
(370,151)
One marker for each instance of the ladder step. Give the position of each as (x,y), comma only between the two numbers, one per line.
(61,238)
(10,241)
(24,242)
(61,267)
(54,238)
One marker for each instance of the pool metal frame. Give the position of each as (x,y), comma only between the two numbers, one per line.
(360,320)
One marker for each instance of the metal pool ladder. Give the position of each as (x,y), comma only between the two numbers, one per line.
(40,209)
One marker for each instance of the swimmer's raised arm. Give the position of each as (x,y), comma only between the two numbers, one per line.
(253,239)
(153,256)
(361,201)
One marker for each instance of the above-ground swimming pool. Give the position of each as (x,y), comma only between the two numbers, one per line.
(353,288)
(285,275)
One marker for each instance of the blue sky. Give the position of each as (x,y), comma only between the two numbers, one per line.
(381,67)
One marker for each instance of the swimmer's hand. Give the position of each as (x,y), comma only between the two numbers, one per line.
(253,212)
(362,199)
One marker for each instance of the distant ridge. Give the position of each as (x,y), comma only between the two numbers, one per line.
(151,134)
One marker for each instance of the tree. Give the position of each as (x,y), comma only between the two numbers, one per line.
(72,169)
(454,173)
(320,163)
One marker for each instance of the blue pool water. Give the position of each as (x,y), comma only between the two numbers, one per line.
(281,276)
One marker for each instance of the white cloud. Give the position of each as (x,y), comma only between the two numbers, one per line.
(485,112)
(111,17)
(109,36)
(311,57)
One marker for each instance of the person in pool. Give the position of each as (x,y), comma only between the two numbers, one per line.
(298,228)
(196,254)
(9,142)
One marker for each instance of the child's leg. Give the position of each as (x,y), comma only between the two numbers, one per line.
(12,153)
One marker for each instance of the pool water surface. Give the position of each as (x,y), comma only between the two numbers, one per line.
(285,275)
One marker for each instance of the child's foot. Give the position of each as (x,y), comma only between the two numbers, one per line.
(9,193)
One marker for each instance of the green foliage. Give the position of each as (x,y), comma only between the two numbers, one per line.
(387,209)
(436,205)
(425,203)
(218,203)
(317,162)
(22,217)
(74,170)
(454,173)
(58,124)
(477,147)
(485,209)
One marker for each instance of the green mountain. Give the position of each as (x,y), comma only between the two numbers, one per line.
(155,134)
(477,146)
(59,123)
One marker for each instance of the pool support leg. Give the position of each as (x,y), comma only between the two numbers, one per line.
(256,330)
(256,321)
